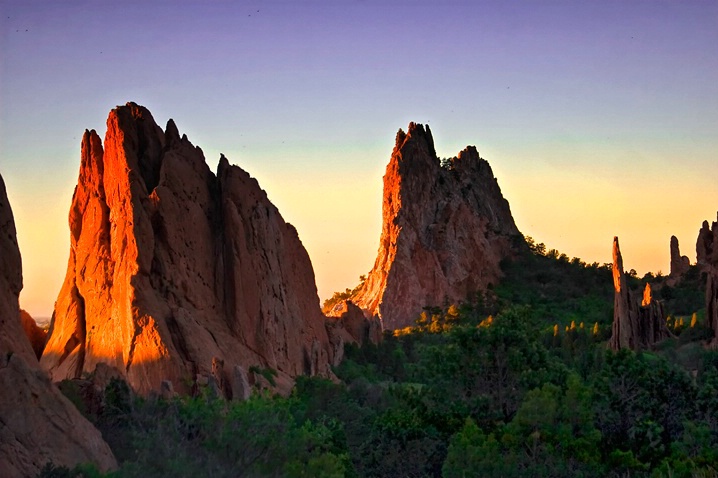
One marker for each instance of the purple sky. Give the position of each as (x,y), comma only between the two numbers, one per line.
(599,118)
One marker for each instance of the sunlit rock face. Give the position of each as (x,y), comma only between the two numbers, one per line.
(445,230)
(37,423)
(173,268)
(638,320)
(707,259)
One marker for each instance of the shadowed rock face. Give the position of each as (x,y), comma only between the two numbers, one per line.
(679,264)
(35,334)
(638,320)
(37,423)
(445,230)
(173,268)
(707,259)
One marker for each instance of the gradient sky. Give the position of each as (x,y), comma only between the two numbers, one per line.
(599,118)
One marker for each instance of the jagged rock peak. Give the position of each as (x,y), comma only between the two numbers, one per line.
(638,319)
(444,232)
(39,424)
(417,136)
(173,269)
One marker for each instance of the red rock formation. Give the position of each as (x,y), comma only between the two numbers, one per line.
(679,264)
(707,259)
(35,334)
(638,320)
(361,329)
(37,423)
(704,245)
(445,230)
(623,335)
(172,267)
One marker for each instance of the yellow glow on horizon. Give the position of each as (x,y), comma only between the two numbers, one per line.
(44,239)
(579,216)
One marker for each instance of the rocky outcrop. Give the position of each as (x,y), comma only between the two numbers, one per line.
(37,423)
(638,320)
(34,333)
(705,253)
(172,268)
(679,264)
(351,318)
(446,227)
(707,259)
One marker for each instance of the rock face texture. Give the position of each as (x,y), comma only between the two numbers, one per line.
(707,259)
(173,269)
(679,264)
(37,423)
(638,320)
(445,229)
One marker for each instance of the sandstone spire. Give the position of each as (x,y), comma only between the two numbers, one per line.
(679,264)
(445,229)
(638,321)
(173,269)
(37,423)
(623,335)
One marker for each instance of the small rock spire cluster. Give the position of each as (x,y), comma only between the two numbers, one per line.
(638,320)
(638,326)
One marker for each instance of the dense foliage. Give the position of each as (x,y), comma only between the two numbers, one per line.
(519,383)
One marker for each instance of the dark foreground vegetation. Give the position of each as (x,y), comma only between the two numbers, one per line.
(517,384)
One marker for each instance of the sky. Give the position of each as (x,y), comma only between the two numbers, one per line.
(599,118)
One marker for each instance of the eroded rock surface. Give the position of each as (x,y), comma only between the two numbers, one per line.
(445,230)
(638,320)
(37,423)
(173,268)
